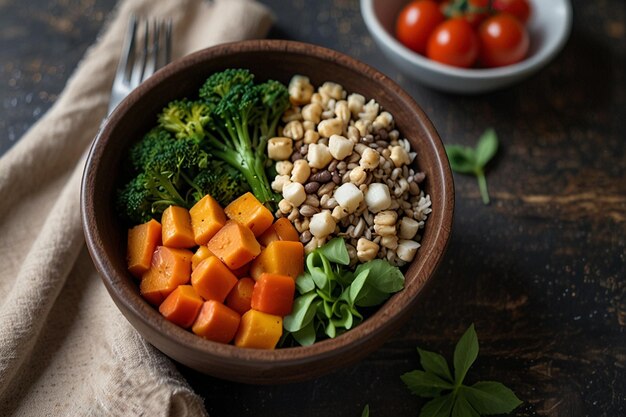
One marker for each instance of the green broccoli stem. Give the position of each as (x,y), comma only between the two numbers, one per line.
(244,160)
(169,194)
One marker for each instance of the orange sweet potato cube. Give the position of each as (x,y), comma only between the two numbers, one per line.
(176,225)
(181,306)
(207,218)
(216,322)
(234,244)
(249,211)
(259,330)
(212,280)
(273,294)
(142,241)
(200,255)
(279,257)
(169,268)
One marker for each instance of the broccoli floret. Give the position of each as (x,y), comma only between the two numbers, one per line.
(244,116)
(219,84)
(222,182)
(164,168)
(133,201)
(185,118)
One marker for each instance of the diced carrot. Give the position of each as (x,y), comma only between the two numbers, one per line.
(142,241)
(281,229)
(207,217)
(279,257)
(181,306)
(273,294)
(285,230)
(234,244)
(169,268)
(240,296)
(212,280)
(216,322)
(200,255)
(177,231)
(259,330)
(249,211)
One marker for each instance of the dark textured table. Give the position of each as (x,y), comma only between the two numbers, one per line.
(540,271)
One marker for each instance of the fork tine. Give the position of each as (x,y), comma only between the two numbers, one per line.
(141,57)
(152,63)
(168,41)
(136,76)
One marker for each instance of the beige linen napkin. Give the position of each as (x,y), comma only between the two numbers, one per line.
(64,347)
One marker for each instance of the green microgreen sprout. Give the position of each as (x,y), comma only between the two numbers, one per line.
(472,161)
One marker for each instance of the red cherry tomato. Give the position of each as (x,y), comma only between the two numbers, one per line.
(518,8)
(454,42)
(415,23)
(503,41)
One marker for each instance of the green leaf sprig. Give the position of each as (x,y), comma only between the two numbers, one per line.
(467,160)
(450,397)
(331,293)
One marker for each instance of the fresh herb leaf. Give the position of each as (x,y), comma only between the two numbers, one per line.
(335,251)
(305,283)
(490,397)
(330,292)
(465,353)
(366,411)
(425,384)
(435,363)
(382,275)
(302,312)
(306,335)
(487,147)
(357,286)
(438,407)
(452,398)
(466,160)
(462,159)
(462,408)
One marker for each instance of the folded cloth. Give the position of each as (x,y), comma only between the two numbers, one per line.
(65,349)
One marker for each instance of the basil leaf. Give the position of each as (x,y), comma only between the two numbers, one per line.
(366,411)
(382,275)
(425,384)
(328,308)
(335,251)
(330,330)
(439,407)
(345,318)
(487,147)
(357,285)
(465,353)
(317,273)
(462,159)
(305,283)
(462,408)
(306,335)
(370,296)
(490,397)
(302,312)
(435,363)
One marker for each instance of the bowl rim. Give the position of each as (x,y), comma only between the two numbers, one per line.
(291,356)
(528,65)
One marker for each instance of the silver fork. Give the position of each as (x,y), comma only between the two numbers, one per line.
(141,57)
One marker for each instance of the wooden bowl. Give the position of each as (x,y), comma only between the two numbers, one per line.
(106,235)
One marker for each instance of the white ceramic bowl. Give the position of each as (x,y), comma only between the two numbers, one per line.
(549,27)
